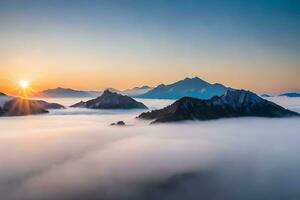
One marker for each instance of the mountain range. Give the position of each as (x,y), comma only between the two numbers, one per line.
(67,92)
(234,103)
(189,87)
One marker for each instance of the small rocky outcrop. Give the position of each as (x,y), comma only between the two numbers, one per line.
(119,123)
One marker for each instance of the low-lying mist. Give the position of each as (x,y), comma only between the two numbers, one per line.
(79,156)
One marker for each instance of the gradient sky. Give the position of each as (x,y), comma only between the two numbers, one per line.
(97,44)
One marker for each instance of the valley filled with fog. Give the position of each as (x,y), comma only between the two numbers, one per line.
(74,154)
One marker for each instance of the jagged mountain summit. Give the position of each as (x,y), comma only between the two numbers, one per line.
(111,100)
(234,103)
(189,87)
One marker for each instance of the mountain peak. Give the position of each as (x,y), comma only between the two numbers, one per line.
(237,103)
(190,87)
(193,79)
(108,91)
(111,100)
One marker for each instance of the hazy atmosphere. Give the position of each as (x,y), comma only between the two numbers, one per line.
(75,154)
(149,99)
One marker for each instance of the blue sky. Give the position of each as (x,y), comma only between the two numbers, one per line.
(249,44)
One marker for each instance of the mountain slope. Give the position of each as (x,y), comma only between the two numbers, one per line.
(111,100)
(235,103)
(189,87)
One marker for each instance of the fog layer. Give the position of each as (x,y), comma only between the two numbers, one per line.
(74,154)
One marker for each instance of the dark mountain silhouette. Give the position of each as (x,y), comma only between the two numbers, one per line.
(20,107)
(189,87)
(290,94)
(111,100)
(234,103)
(2,94)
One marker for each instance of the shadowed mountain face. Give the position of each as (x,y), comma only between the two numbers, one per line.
(111,100)
(189,87)
(235,103)
(20,107)
(291,94)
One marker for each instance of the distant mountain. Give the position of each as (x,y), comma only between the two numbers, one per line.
(114,90)
(189,87)
(111,100)
(20,107)
(265,95)
(66,92)
(234,103)
(290,94)
(136,91)
(132,92)
(47,105)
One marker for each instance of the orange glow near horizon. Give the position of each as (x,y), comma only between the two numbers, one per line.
(22,89)
(26,89)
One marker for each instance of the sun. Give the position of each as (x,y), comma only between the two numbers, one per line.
(23,84)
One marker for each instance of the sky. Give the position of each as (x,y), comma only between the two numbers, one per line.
(92,45)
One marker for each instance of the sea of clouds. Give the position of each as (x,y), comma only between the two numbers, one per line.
(74,154)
